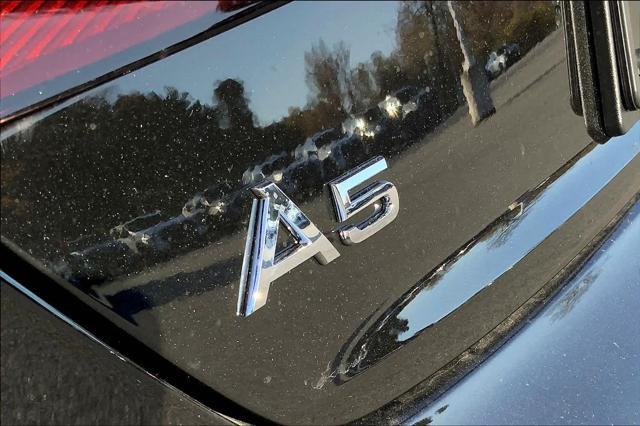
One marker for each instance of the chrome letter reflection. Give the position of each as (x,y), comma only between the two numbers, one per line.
(262,265)
(381,194)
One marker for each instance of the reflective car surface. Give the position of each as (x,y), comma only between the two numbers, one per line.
(133,198)
(566,346)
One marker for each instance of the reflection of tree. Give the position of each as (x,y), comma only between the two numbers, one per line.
(232,106)
(506,225)
(328,79)
(426,57)
(97,163)
(494,23)
(364,89)
(573,295)
(103,163)
(429,50)
(416,41)
(388,74)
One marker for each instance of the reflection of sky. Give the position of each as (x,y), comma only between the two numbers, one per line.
(486,261)
(576,362)
(277,41)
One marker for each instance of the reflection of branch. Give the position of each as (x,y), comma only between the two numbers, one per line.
(573,296)
(508,225)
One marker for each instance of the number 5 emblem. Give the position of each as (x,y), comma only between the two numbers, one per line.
(262,265)
(381,194)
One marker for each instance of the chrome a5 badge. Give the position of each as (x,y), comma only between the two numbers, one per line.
(262,265)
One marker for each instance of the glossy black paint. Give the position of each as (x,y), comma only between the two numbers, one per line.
(575,363)
(480,262)
(53,91)
(52,374)
(34,282)
(134,198)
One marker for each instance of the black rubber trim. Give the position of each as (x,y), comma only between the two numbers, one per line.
(241,17)
(617,120)
(590,96)
(572,64)
(48,289)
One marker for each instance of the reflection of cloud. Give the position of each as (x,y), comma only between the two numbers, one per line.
(573,296)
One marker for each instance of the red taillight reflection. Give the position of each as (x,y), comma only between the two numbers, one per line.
(41,40)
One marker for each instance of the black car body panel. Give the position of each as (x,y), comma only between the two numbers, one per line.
(583,342)
(133,198)
(53,374)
